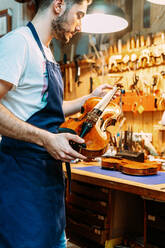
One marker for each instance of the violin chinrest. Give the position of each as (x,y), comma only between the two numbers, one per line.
(77,146)
(74,145)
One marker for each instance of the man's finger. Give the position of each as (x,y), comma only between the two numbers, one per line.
(76,138)
(76,154)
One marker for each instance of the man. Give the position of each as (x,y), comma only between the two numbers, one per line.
(31,109)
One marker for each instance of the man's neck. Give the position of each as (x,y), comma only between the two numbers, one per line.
(42,24)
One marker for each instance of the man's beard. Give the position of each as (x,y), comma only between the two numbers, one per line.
(58,29)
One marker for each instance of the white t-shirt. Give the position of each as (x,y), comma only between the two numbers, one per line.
(23,65)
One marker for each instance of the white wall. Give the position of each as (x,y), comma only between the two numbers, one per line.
(17,11)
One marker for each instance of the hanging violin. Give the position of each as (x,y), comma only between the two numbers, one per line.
(96,115)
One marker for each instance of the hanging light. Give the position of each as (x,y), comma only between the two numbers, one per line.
(103,17)
(161,2)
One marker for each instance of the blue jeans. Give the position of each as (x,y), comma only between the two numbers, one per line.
(61,242)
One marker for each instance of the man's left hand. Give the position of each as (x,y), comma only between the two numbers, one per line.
(101,90)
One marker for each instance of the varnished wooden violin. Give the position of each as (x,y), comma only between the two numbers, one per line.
(131,167)
(97,114)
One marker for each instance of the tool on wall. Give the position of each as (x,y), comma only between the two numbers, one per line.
(92,42)
(137,41)
(78,69)
(149,40)
(144,58)
(66,78)
(156,80)
(133,86)
(70,79)
(119,134)
(91,85)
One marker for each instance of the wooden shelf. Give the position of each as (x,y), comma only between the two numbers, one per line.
(82,62)
(159,127)
(137,103)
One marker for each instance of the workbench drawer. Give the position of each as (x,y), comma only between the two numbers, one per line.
(88,217)
(155,237)
(92,233)
(97,206)
(90,191)
(155,223)
(155,208)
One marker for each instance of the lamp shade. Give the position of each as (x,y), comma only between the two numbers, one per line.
(161,2)
(103,18)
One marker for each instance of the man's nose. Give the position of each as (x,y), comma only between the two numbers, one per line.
(78,28)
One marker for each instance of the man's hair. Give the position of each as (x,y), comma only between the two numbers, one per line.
(43,4)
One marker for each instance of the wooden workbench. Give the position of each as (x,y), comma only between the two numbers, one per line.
(152,192)
(118,185)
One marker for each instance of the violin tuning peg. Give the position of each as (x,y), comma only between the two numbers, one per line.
(119,85)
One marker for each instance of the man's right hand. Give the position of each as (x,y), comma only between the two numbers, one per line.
(59,148)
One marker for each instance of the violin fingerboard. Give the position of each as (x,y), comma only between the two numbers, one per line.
(106,99)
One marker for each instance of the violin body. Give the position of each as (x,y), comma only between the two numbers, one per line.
(97,138)
(131,167)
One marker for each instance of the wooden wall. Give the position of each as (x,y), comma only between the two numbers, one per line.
(147,121)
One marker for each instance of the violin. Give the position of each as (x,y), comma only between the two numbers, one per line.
(131,167)
(96,115)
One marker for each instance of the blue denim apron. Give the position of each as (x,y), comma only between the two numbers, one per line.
(32,211)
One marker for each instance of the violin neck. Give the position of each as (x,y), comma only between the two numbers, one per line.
(106,99)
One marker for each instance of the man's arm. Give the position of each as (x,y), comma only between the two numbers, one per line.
(56,144)
(4,88)
(74,106)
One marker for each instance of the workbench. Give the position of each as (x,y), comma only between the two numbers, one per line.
(112,204)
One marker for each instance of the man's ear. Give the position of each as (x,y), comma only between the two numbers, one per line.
(57,6)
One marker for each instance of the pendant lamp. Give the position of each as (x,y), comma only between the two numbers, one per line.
(102,17)
(161,2)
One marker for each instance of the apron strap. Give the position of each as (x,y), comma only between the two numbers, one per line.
(68,170)
(36,37)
